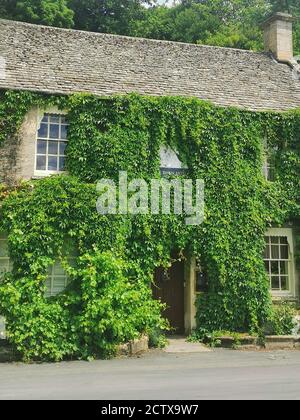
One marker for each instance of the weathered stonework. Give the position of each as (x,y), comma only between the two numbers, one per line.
(61,61)
(17,155)
(278,36)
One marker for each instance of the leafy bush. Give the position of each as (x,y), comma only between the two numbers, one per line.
(213,339)
(157,338)
(282,320)
(117,305)
(106,304)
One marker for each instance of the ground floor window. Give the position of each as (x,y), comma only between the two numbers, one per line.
(279,261)
(5,262)
(57,280)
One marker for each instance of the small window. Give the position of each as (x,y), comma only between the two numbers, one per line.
(170,163)
(269,169)
(57,280)
(201,279)
(51,144)
(277,260)
(5,262)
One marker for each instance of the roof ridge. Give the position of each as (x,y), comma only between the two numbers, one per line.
(150,40)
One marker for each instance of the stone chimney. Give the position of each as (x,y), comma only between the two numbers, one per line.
(278,36)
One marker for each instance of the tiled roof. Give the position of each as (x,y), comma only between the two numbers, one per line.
(62,61)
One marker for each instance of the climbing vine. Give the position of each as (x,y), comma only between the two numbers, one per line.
(108,300)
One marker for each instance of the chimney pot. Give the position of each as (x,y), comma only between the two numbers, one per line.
(278,36)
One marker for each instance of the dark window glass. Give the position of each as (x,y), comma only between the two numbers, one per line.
(41,163)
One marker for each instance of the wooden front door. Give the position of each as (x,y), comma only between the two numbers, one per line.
(169,288)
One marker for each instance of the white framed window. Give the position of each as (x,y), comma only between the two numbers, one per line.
(51,143)
(5,262)
(57,280)
(170,163)
(279,261)
(269,169)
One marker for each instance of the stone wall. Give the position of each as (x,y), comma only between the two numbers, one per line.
(17,155)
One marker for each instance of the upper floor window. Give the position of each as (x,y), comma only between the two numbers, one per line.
(278,258)
(170,163)
(51,144)
(269,169)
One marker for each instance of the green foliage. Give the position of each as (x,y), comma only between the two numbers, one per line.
(214,339)
(157,338)
(117,305)
(42,219)
(282,320)
(117,254)
(108,16)
(45,12)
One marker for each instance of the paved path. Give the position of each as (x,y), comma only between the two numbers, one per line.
(179,344)
(220,374)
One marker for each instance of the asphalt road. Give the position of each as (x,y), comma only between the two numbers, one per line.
(220,374)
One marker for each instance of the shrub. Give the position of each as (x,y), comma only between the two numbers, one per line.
(282,320)
(107,303)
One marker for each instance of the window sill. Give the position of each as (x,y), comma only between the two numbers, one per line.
(44,174)
(278,296)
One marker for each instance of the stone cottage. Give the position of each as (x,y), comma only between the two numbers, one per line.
(58,61)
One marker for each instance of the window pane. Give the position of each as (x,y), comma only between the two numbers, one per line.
(284,267)
(201,282)
(48,287)
(63,119)
(62,148)
(54,118)
(64,132)
(275,267)
(62,163)
(284,249)
(53,148)
(274,239)
(52,163)
(54,131)
(58,269)
(267,266)
(283,240)
(45,118)
(43,131)
(275,283)
(59,284)
(41,163)
(41,147)
(275,252)
(284,283)
(267,252)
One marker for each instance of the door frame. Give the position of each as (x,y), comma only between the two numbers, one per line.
(190,295)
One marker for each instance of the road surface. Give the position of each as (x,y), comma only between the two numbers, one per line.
(220,374)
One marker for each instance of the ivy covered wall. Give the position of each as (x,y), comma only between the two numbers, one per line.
(109,300)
